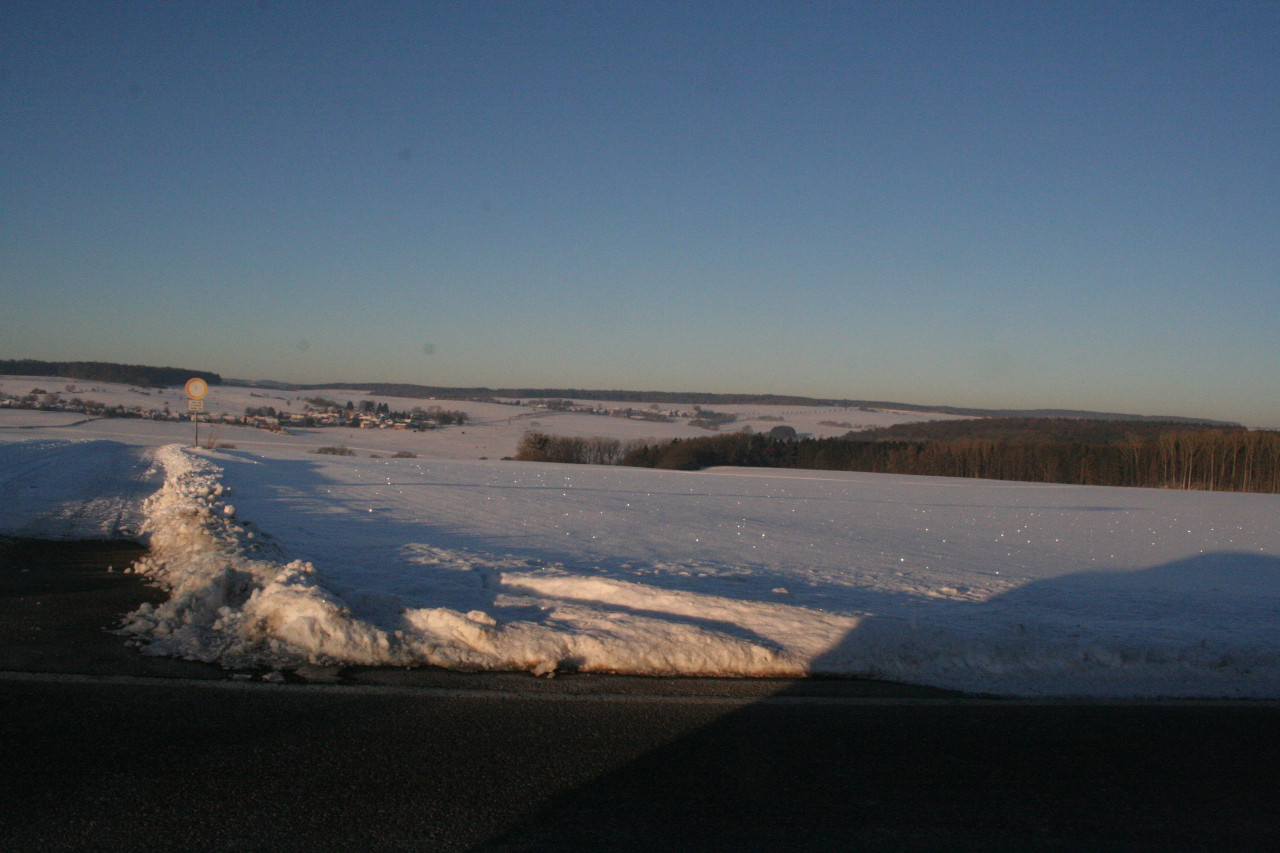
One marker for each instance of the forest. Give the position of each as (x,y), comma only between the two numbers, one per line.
(103,371)
(1100,453)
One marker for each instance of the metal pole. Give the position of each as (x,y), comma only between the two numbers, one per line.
(195,419)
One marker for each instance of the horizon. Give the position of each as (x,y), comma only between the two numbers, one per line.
(677,393)
(677,397)
(994,206)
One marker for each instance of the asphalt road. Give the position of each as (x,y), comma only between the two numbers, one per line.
(101,748)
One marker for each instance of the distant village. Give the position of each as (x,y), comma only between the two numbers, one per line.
(316,412)
(324,412)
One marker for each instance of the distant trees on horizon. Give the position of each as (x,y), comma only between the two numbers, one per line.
(1152,456)
(103,371)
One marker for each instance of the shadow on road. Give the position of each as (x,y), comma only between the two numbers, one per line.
(808,770)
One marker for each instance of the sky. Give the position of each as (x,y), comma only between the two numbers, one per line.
(1014,205)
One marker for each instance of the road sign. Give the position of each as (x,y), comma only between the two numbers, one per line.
(196,388)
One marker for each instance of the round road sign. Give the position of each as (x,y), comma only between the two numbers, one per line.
(197,388)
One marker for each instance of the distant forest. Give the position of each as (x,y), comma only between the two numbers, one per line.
(1093,453)
(1081,430)
(102,371)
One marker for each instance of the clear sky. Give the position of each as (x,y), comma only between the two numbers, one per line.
(1022,204)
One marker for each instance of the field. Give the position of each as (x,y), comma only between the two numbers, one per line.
(278,557)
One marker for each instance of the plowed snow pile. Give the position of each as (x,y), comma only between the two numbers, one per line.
(234,600)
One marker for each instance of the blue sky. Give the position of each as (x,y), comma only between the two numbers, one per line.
(972,204)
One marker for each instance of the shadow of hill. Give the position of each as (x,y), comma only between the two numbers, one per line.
(326,511)
(392,564)
(428,561)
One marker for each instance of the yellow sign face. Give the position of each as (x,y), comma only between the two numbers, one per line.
(197,388)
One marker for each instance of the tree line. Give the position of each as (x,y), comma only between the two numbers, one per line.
(105,371)
(1172,457)
(1059,429)
(576,450)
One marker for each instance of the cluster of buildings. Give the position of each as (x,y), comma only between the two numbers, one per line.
(360,420)
(47,402)
(263,418)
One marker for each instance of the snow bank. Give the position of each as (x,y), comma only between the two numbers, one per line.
(231,599)
(72,489)
(235,601)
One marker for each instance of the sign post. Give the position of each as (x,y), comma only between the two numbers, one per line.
(196,389)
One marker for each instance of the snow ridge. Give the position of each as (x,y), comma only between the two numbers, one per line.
(234,600)
(231,598)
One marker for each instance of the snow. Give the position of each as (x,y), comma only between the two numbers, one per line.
(995,587)
(493,430)
(72,489)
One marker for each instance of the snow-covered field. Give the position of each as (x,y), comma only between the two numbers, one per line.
(277,556)
(493,430)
